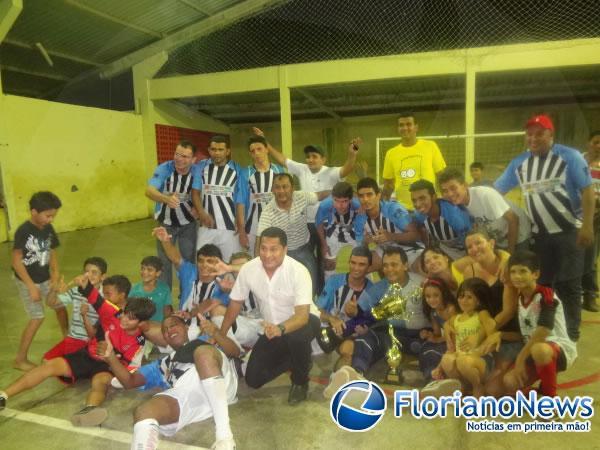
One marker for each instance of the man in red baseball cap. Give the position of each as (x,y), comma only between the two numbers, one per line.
(559,199)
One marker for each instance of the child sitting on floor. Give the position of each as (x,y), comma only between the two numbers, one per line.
(154,289)
(82,327)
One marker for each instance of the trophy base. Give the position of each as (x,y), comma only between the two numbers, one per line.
(393,378)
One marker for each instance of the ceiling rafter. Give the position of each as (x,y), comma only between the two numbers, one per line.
(316,102)
(51,76)
(190,33)
(58,54)
(195,7)
(111,18)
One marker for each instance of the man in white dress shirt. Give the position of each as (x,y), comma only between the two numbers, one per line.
(282,289)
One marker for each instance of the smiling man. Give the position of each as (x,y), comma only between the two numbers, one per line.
(411,160)
(282,290)
(171,188)
(559,198)
(198,381)
(504,221)
(219,195)
(289,211)
(443,222)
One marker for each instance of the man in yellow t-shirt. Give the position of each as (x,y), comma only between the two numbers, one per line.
(412,160)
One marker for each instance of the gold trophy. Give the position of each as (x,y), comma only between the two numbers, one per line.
(392,306)
(393,357)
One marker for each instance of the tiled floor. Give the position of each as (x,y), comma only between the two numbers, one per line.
(261,419)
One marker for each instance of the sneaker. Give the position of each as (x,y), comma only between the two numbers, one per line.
(3,399)
(90,416)
(336,381)
(224,444)
(298,393)
(440,388)
(589,304)
(114,382)
(353,374)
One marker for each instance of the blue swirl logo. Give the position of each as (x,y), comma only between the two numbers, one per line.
(364,418)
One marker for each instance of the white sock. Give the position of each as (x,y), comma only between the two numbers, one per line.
(215,391)
(145,435)
(4,394)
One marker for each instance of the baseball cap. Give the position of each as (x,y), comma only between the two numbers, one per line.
(314,149)
(542,121)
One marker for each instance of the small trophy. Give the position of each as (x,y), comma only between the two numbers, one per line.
(393,357)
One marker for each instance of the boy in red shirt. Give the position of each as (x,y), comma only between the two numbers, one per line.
(127,340)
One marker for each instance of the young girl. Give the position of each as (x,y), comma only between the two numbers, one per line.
(465,332)
(439,305)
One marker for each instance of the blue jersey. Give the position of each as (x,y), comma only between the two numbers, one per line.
(222,189)
(451,227)
(340,225)
(191,289)
(167,181)
(393,217)
(551,185)
(336,293)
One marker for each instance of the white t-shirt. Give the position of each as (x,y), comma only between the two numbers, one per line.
(276,297)
(487,207)
(323,180)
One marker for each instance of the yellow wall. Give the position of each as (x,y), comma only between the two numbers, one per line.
(54,146)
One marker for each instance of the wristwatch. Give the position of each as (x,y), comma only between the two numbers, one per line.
(282,328)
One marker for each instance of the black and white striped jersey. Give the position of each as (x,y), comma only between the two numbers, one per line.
(259,185)
(551,185)
(182,215)
(221,191)
(167,181)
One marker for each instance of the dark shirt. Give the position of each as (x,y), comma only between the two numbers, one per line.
(36,245)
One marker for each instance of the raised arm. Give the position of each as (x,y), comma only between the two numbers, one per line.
(348,166)
(171,250)
(277,156)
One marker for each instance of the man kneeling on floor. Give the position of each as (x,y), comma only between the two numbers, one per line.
(282,288)
(199,381)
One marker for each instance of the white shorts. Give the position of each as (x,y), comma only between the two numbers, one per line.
(335,245)
(227,241)
(248,329)
(193,403)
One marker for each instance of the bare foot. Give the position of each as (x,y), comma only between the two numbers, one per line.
(25,366)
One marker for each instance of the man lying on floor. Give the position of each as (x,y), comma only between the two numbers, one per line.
(199,379)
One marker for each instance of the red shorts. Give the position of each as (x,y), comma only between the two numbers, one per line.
(67,345)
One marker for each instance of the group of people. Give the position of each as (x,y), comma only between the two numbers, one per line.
(492,292)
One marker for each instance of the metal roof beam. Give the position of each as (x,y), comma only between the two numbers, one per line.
(51,76)
(188,34)
(53,53)
(9,11)
(195,7)
(316,102)
(114,19)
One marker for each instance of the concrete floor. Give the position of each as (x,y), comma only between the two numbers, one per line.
(260,419)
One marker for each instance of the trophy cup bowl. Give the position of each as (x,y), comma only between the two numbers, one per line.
(391,306)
